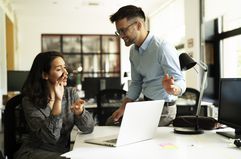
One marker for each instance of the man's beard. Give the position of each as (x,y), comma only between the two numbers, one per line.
(129,42)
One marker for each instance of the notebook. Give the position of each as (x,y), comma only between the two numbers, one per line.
(140,121)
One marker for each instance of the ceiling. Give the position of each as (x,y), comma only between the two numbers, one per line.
(71,7)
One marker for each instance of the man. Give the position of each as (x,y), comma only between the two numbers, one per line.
(155,68)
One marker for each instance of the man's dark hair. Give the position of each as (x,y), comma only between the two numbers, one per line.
(128,12)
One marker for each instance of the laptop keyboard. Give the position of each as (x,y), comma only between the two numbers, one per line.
(112,140)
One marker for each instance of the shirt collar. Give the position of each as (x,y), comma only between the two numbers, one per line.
(146,43)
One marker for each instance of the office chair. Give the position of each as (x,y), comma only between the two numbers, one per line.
(15,126)
(108,100)
(188,102)
(1,155)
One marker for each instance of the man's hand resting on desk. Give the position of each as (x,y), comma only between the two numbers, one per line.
(120,111)
(118,114)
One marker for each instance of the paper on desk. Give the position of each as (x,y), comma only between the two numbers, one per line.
(168,146)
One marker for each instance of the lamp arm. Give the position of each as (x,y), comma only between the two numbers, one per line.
(205,69)
(203,65)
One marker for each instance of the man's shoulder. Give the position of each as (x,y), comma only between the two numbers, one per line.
(159,40)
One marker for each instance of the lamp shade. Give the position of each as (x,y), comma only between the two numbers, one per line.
(186,62)
(125,74)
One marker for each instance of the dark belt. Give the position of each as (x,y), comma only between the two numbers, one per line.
(166,104)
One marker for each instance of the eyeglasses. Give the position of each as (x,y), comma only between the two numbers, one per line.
(123,31)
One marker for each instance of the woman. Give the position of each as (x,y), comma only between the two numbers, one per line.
(51,109)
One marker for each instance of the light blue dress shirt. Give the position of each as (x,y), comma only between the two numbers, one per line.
(149,64)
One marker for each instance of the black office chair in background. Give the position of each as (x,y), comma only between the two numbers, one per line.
(188,102)
(108,100)
(15,126)
(1,155)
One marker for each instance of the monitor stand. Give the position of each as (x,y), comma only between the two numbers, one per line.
(231,134)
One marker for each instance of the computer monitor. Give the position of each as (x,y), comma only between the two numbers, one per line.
(92,85)
(229,112)
(16,79)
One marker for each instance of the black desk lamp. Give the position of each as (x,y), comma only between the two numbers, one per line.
(186,62)
(125,74)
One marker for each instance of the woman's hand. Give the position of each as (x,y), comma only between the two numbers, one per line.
(59,88)
(78,107)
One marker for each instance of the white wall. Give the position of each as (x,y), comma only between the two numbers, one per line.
(169,22)
(3,58)
(192,26)
(30,29)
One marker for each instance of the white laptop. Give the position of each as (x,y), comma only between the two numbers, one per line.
(139,123)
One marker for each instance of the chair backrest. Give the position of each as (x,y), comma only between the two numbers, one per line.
(187,103)
(108,100)
(15,126)
(1,155)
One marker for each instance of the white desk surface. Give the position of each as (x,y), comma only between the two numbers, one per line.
(180,103)
(165,145)
(90,105)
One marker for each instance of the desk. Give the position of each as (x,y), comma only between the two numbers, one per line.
(165,145)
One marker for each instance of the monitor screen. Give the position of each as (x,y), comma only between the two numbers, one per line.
(92,85)
(230,105)
(16,79)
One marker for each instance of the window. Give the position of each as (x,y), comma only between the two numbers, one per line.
(230,44)
(51,43)
(96,55)
(231,21)
(232,57)
(223,37)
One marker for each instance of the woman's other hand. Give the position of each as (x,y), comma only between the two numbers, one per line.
(78,107)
